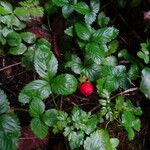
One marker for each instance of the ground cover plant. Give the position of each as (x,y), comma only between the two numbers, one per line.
(70,75)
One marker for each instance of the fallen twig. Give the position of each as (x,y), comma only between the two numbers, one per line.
(7,67)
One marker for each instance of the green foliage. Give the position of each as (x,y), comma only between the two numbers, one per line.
(129,118)
(99,140)
(94,57)
(64,84)
(145,82)
(32,7)
(45,62)
(37,89)
(103,20)
(145,52)
(9,125)
(13,39)
(39,128)
(112,79)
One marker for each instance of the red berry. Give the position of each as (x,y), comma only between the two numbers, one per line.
(86,88)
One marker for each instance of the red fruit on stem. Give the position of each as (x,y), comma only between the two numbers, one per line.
(86,88)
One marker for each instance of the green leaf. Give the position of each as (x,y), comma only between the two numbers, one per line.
(22,13)
(37,107)
(82,31)
(75,64)
(94,51)
(67,10)
(112,47)
(39,128)
(6,31)
(18,50)
(83,121)
(60,3)
(99,140)
(50,117)
(110,61)
(119,103)
(133,72)
(38,89)
(69,31)
(9,131)
(105,35)
(62,122)
(82,8)
(64,84)
(145,52)
(90,70)
(90,18)
(4,104)
(95,6)
(103,20)
(145,82)
(45,63)
(13,39)
(5,8)
(131,123)
(50,7)
(28,37)
(76,139)
(28,60)
(114,143)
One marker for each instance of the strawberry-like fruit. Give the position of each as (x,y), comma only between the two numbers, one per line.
(86,88)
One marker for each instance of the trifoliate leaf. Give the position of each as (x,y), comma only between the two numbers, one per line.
(64,84)
(4,104)
(37,107)
(45,63)
(39,128)
(38,89)
(82,8)
(82,31)
(145,82)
